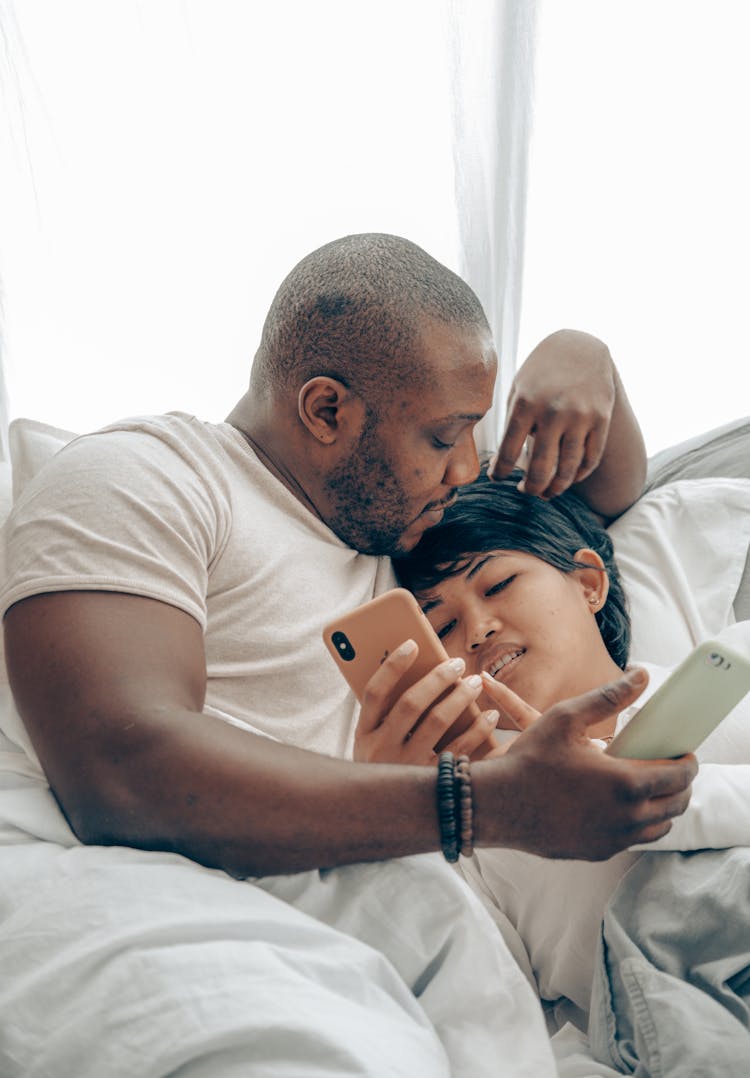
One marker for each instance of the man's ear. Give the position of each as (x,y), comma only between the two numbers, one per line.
(593,578)
(329,409)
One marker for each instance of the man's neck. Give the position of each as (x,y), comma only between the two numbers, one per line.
(263,439)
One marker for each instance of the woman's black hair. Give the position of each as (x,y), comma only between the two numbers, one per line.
(495,515)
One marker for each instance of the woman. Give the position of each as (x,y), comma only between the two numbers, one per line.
(527,593)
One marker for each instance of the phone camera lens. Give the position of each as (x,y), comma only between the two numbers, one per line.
(343,646)
(715,659)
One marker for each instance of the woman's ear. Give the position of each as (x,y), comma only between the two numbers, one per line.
(329,409)
(593,578)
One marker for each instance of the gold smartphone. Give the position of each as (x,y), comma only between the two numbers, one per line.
(683,711)
(364,638)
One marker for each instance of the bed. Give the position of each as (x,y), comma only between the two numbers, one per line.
(684,554)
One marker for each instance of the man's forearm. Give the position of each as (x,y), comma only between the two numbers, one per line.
(251,806)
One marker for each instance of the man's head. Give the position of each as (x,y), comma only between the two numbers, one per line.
(378,361)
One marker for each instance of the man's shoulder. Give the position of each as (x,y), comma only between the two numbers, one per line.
(169,439)
(150,456)
(173,428)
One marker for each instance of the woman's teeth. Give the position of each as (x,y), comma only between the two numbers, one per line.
(508,658)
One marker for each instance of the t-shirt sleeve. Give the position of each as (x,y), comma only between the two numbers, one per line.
(120,510)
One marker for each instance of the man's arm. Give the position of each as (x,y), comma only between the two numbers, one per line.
(569,397)
(111,687)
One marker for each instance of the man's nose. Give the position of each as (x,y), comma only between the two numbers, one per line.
(463,465)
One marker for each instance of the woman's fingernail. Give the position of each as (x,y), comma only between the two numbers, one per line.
(406,648)
(493,717)
(458,665)
(637,677)
(488,677)
(474,681)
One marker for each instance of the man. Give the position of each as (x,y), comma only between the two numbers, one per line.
(168,581)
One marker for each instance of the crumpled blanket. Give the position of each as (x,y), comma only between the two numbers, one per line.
(671,992)
(117,962)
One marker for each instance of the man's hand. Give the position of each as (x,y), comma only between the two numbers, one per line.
(568,401)
(556,794)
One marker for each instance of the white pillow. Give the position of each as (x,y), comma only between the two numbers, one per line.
(32,444)
(681,550)
(6,489)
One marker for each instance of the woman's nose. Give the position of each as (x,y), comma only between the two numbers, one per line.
(480,632)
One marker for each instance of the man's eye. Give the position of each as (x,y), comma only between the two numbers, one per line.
(499,587)
(440,444)
(445,629)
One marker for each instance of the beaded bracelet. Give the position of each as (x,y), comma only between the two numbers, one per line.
(446,807)
(465,806)
(455,806)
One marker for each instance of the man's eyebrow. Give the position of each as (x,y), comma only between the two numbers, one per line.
(470,417)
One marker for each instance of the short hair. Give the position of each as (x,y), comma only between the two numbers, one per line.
(352,310)
(495,515)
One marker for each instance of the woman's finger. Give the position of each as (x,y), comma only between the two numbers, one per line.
(380,689)
(479,739)
(509,703)
(436,720)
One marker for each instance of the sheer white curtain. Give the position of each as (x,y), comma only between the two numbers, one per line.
(163,165)
(493,58)
(638,224)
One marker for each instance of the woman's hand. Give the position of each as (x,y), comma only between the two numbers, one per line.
(514,710)
(510,705)
(406,728)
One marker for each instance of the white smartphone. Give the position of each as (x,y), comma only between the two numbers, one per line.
(683,711)
(362,639)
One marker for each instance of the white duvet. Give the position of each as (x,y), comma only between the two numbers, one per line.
(117,962)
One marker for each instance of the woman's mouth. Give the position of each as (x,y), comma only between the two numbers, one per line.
(503,662)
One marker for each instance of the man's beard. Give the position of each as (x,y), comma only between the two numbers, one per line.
(368,508)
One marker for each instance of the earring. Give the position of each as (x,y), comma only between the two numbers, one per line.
(594,603)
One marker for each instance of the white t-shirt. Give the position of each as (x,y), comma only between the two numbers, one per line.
(550,911)
(183,511)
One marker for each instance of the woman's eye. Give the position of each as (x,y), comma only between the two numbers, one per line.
(440,444)
(445,629)
(499,587)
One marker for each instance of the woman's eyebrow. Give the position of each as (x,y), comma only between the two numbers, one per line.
(431,604)
(477,566)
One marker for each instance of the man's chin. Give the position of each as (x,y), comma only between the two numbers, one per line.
(410,538)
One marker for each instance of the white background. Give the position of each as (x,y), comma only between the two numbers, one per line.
(638,225)
(163,164)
